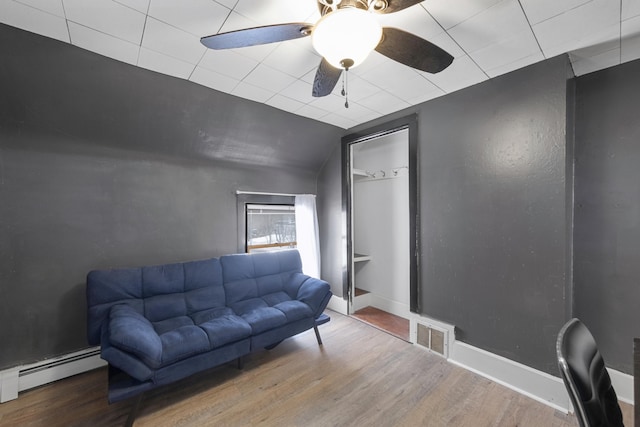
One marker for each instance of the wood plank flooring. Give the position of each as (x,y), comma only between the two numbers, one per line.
(395,325)
(359,377)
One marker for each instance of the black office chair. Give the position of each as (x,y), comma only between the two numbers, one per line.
(586,378)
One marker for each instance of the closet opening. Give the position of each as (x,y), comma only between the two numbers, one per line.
(380,203)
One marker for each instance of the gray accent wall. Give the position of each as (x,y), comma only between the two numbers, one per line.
(607,210)
(105,165)
(493,211)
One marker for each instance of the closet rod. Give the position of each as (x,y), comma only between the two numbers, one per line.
(260,193)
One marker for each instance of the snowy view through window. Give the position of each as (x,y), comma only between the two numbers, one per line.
(270,227)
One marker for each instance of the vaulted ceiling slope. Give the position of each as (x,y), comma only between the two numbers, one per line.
(487,38)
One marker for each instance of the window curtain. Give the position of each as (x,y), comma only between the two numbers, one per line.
(307,238)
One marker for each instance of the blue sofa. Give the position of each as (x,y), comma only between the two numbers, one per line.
(159,324)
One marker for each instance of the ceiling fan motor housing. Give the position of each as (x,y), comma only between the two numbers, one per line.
(327,6)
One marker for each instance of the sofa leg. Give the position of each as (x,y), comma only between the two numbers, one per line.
(315,328)
(134,411)
(240,363)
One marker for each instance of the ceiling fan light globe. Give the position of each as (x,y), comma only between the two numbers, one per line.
(346,36)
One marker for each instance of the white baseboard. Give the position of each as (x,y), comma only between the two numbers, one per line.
(338,304)
(20,378)
(533,383)
(390,306)
(623,385)
(536,384)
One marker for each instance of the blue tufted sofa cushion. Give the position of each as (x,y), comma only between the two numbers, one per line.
(161,323)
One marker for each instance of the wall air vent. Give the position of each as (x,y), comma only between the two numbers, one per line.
(431,337)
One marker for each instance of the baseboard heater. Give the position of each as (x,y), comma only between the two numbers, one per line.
(25,377)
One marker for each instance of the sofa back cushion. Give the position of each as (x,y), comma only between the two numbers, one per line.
(158,292)
(259,275)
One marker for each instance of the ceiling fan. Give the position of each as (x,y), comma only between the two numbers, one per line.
(345,35)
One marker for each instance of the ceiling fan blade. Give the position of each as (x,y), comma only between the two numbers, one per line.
(257,35)
(397,5)
(413,51)
(326,79)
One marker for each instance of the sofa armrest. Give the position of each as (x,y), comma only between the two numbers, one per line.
(315,293)
(132,332)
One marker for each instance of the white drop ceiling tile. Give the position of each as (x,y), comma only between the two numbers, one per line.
(355,112)
(630,9)
(108,17)
(299,91)
(541,10)
(358,113)
(517,64)
(596,62)
(374,61)
(389,75)
(34,20)
(276,12)
(269,78)
(164,64)
(425,96)
(139,5)
(228,3)
(104,44)
(461,73)
(415,20)
(493,25)
(359,88)
(284,103)
(169,40)
(312,112)
(414,87)
(594,22)
(236,22)
(595,50)
(329,103)
(630,43)
(444,41)
(198,17)
(254,93)
(228,62)
(309,77)
(259,53)
(507,51)
(293,58)
(339,120)
(213,80)
(384,103)
(53,7)
(450,15)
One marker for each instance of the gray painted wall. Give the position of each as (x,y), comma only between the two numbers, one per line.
(106,165)
(333,250)
(607,210)
(493,211)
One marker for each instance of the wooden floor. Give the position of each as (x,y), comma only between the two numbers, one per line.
(388,322)
(359,377)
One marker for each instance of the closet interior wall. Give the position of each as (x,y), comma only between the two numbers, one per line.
(381,221)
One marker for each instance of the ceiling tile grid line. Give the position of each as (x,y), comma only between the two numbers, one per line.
(487,38)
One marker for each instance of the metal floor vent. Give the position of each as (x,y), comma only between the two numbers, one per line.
(433,339)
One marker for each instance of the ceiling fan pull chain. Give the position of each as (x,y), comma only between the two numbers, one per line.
(345,88)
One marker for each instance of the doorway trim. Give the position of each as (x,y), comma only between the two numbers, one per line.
(409,123)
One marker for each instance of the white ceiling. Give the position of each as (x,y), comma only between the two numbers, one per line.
(487,38)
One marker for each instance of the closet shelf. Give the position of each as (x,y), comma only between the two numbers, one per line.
(359,172)
(361,258)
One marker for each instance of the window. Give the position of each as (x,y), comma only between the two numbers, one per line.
(270,227)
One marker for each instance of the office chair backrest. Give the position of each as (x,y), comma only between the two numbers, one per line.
(586,378)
